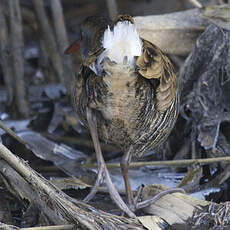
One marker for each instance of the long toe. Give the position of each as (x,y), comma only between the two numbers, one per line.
(98,182)
(152,200)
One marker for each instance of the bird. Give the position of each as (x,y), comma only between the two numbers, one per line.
(126,93)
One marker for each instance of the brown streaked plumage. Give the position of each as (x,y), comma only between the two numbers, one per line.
(134,106)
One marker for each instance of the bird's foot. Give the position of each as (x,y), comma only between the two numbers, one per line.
(138,204)
(103,174)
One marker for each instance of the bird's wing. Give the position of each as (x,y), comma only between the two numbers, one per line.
(81,94)
(155,66)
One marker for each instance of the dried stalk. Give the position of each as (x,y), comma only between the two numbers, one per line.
(17,45)
(59,203)
(62,42)
(48,37)
(5,58)
(172,163)
(16,184)
(12,133)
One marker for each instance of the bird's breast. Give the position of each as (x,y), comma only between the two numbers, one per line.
(121,93)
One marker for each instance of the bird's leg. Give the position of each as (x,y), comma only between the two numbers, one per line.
(133,202)
(92,122)
(124,169)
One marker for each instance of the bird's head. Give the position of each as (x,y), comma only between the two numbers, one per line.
(91,31)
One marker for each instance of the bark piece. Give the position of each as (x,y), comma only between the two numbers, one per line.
(174,33)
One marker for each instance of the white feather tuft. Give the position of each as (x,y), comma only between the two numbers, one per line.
(121,45)
(122,42)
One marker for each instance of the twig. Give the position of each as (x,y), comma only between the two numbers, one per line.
(177,163)
(11,133)
(56,227)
